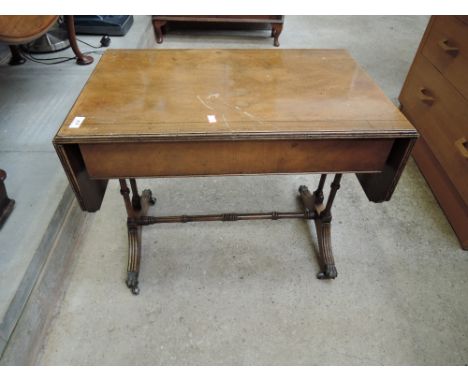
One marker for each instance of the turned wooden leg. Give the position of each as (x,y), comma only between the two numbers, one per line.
(81,59)
(275,33)
(136,198)
(16,57)
(158,24)
(136,207)
(322,215)
(318,193)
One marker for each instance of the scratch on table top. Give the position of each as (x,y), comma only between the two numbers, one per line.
(252,117)
(203,103)
(226,122)
(216,96)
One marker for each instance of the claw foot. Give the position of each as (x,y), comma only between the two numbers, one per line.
(329,272)
(148,194)
(132,283)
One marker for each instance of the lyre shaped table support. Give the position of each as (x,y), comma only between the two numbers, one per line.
(138,205)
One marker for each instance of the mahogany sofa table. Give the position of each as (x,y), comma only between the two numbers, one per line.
(167,113)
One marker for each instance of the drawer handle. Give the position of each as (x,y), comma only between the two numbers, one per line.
(447,48)
(425,96)
(462,146)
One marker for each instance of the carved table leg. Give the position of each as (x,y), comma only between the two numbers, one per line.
(81,59)
(318,193)
(138,206)
(276,29)
(158,24)
(16,57)
(323,217)
(323,225)
(136,198)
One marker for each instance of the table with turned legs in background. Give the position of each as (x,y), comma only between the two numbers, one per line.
(183,113)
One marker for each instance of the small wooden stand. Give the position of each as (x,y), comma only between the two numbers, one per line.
(159,23)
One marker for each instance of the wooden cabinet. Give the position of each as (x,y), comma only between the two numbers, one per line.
(435,99)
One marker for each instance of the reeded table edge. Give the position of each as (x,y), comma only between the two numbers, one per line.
(329,135)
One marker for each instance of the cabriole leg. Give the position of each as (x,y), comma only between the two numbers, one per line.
(276,29)
(158,24)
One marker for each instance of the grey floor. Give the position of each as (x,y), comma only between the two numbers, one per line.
(34,100)
(244,292)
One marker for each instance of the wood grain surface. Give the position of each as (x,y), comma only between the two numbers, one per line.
(231,94)
(442,122)
(23,29)
(447,48)
(124,160)
(434,98)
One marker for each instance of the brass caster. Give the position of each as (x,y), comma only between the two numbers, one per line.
(135,291)
(148,195)
(132,283)
(329,272)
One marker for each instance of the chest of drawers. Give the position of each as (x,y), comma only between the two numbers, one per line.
(435,99)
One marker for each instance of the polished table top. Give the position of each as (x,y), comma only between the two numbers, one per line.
(150,113)
(231,94)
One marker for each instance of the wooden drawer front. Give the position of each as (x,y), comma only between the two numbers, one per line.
(123,160)
(447,48)
(440,114)
(447,196)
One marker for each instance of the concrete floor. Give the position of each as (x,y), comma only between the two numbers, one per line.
(34,101)
(246,292)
